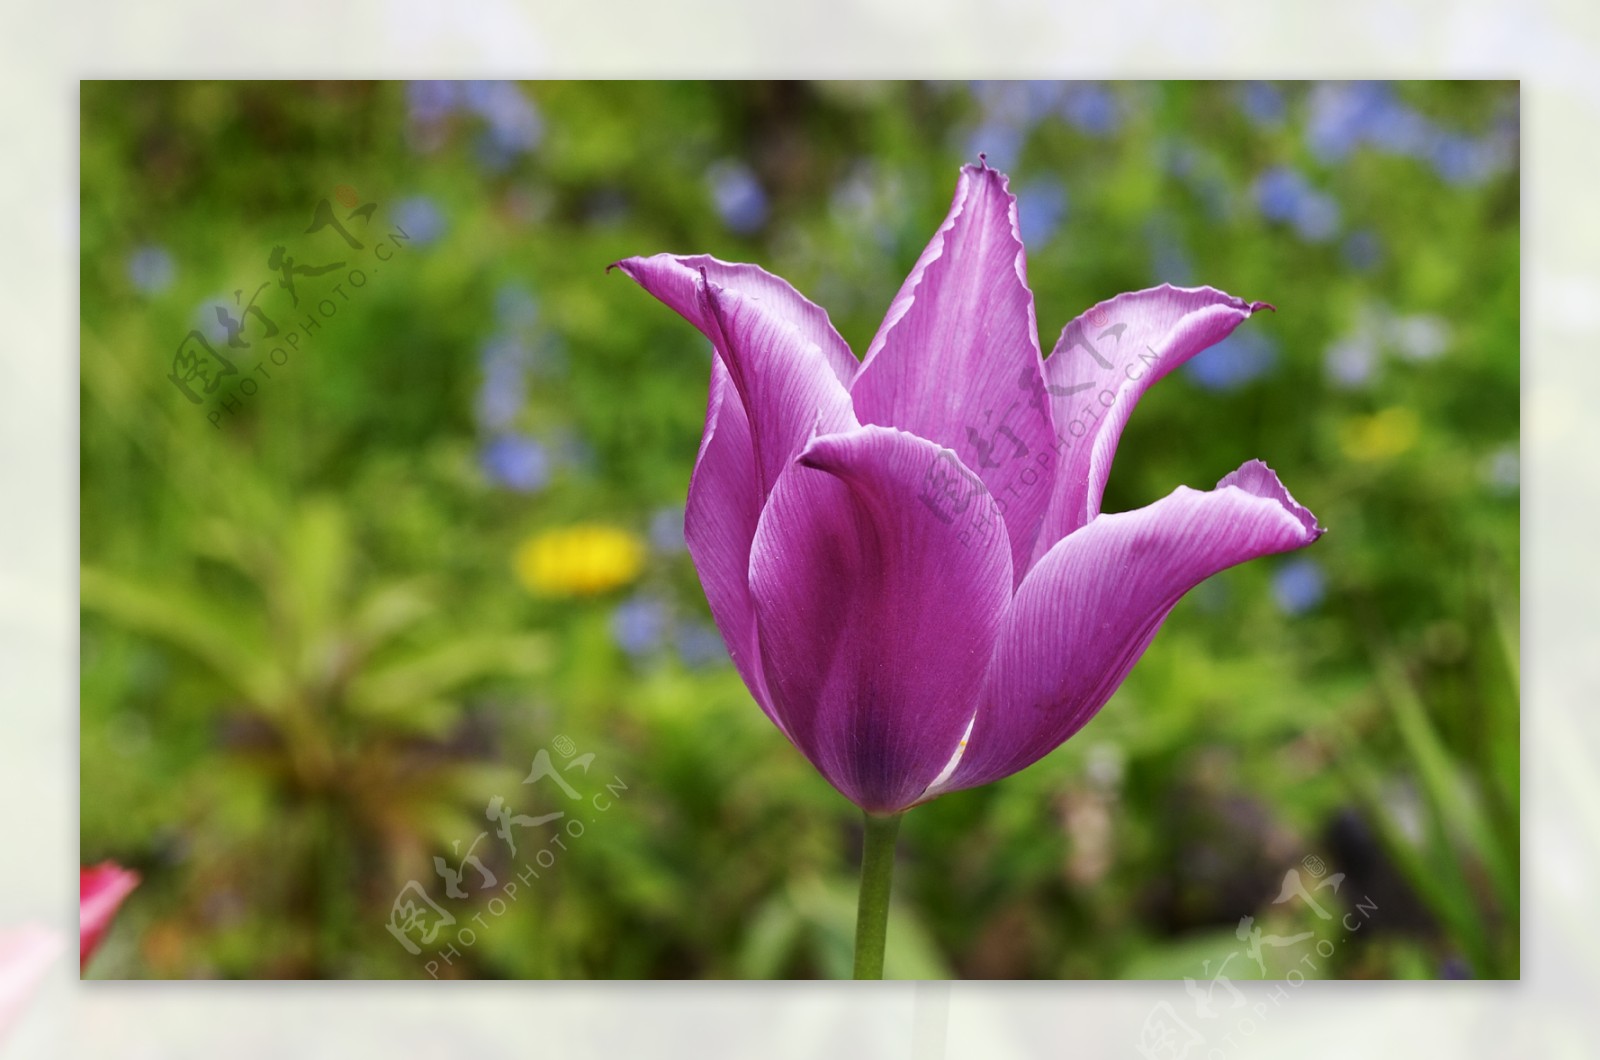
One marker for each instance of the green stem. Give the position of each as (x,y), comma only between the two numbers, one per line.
(872,914)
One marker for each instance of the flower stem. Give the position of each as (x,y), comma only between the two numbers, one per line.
(872,914)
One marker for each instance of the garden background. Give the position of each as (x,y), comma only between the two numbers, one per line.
(337,604)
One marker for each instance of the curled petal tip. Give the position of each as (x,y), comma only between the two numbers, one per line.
(1256,307)
(629,267)
(811,455)
(1255,477)
(984,170)
(823,450)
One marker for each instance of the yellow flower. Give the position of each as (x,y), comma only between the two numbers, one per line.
(1382,435)
(579,560)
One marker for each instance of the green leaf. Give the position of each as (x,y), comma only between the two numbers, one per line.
(440,669)
(212,636)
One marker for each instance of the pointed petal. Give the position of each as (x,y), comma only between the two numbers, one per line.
(779,296)
(957,358)
(877,611)
(1091,606)
(774,347)
(719,523)
(100,891)
(1103,363)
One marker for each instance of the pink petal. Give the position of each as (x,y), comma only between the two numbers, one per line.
(1103,363)
(720,519)
(783,356)
(100,891)
(878,608)
(957,358)
(25,954)
(1086,612)
(778,296)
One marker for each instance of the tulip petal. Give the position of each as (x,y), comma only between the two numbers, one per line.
(719,523)
(1086,612)
(100,891)
(785,359)
(957,361)
(25,954)
(878,605)
(1103,363)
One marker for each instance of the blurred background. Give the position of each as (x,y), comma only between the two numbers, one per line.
(382,556)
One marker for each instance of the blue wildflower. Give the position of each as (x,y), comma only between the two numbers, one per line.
(1298,586)
(700,645)
(639,625)
(1285,195)
(421,219)
(1041,206)
(1008,112)
(1263,102)
(516,462)
(999,142)
(504,389)
(1341,113)
(150,269)
(1279,192)
(514,123)
(1237,360)
(1399,130)
(1092,108)
(208,320)
(1462,160)
(1345,116)
(1040,98)
(1318,218)
(431,101)
(740,199)
(666,530)
(1011,102)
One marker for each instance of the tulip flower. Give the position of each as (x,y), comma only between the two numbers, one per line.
(906,554)
(100,891)
(26,952)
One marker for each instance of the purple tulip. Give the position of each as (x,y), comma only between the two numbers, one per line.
(906,554)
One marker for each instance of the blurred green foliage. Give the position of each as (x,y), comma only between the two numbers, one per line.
(308,661)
